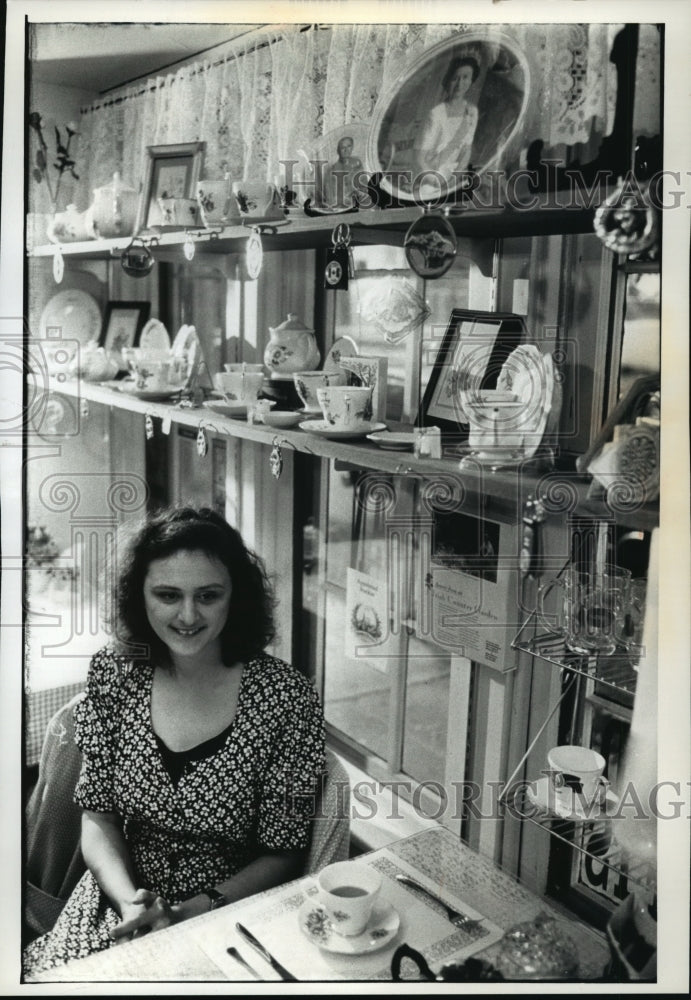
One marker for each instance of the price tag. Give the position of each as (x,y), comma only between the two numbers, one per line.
(202,443)
(339,265)
(276,460)
(188,248)
(254,254)
(58,266)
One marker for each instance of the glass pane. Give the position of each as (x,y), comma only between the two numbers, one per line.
(640,354)
(426,712)
(356,693)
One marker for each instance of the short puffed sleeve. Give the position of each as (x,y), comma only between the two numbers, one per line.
(96,723)
(296,766)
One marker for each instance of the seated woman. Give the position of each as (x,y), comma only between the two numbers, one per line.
(201,754)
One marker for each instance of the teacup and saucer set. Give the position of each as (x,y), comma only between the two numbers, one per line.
(344,912)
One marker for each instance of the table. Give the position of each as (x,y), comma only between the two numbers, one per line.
(195,950)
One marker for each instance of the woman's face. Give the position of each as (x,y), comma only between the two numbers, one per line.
(460,82)
(187,599)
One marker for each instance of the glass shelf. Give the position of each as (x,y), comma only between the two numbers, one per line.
(615,673)
(580,834)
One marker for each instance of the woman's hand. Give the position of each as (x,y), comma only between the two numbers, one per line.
(143,913)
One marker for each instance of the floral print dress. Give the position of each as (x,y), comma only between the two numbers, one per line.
(189,827)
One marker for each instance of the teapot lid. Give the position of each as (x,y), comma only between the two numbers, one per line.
(292,323)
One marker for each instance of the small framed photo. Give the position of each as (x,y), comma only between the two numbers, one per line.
(171,173)
(470,356)
(122,325)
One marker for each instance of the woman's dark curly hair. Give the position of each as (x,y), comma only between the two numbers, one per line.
(456,64)
(250,624)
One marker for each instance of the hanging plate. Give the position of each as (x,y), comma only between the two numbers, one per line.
(430,246)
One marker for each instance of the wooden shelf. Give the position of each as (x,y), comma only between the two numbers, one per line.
(542,216)
(507,489)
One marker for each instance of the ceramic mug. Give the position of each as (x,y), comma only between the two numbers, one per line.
(346,407)
(178,211)
(307,383)
(257,200)
(591,614)
(347,890)
(576,770)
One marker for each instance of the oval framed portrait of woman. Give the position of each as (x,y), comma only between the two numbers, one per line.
(454,114)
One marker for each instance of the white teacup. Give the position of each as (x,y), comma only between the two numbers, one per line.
(347,891)
(156,376)
(577,771)
(346,407)
(307,383)
(257,200)
(179,211)
(239,386)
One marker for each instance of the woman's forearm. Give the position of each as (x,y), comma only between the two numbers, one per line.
(107,856)
(264,872)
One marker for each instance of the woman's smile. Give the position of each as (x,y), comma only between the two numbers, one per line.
(187,599)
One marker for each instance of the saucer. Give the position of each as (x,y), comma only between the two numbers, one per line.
(381,930)
(324,429)
(149,394)
(565,804)
(394,440)
(225,409)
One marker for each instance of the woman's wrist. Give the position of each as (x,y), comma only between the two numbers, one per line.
(192,907)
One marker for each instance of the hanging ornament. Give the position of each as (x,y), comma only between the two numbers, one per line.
(202,443)
(339,263)
(254,254)
(84,408)
(627,222)
(276,460)
(149,426)
(188,247)
(430,246)
(58,265)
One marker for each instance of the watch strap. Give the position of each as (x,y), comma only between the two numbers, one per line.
(217,898)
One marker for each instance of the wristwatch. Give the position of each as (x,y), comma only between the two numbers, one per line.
(217,898)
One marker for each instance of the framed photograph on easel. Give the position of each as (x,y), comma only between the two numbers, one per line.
(474,348)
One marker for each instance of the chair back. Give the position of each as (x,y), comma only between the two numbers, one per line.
(330,839)
(54,862)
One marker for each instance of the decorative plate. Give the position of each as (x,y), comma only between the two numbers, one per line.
(185,339)
(343,347)
(381,930)
(394,441)
(324,429)
(71,315)
(154,336)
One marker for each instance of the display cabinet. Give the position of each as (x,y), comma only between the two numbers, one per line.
(374,551)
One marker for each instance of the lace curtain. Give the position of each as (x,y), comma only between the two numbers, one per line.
(261,104)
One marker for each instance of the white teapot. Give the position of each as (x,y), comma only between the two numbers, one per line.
(113,211)
(292,348)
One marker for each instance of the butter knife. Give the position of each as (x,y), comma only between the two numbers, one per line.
(266,955)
